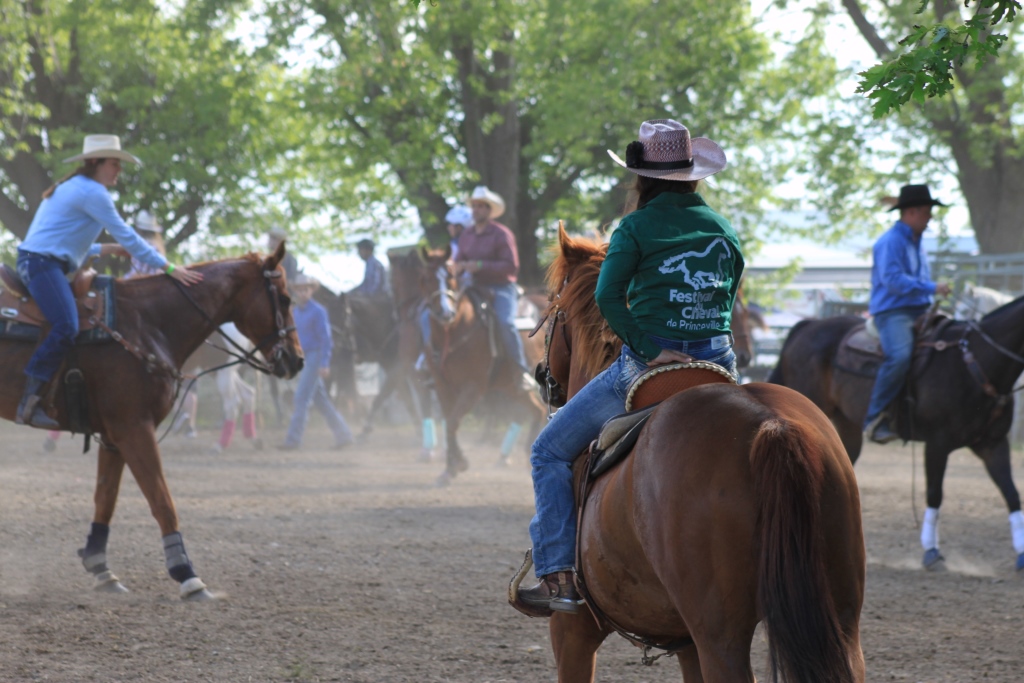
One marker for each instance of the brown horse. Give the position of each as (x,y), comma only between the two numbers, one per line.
(737,505)
(131,385)
(467,361)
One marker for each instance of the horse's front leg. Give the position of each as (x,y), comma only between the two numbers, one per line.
(574,640)
(110,467)
(936,457)
(997,463)
(139,449)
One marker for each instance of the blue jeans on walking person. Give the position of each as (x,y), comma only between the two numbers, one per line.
(45,277)
(310,390)
(506,305)
(570,431)
(896,333)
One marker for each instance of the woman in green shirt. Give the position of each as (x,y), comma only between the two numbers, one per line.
(666,288)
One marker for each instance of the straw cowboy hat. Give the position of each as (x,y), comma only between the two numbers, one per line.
(146,222)
(103,147)
(666,150)
(482,194)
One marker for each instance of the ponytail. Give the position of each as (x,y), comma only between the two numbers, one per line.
(88,169)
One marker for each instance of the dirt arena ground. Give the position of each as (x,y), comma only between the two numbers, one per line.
(352,566)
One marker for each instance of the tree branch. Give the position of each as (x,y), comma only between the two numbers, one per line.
(866,28)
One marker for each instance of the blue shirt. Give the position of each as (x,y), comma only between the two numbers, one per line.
(69,221)
(373,278)
(314,330)
(900,277)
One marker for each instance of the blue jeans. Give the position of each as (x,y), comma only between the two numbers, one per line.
(311,389)
(45,278)
(506,304)
(570,431)
(424,320)
(896,332)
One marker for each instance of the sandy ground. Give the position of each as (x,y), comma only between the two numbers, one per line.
(352,566)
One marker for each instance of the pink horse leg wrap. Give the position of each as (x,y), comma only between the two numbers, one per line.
(226,432)
(249,425)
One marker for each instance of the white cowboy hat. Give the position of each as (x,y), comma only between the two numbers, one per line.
(277,232)
(461,215)
(482,194)
(103,147)
(665,150)
(145,221)
(303,280)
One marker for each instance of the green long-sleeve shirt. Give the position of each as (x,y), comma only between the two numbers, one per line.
(678,265)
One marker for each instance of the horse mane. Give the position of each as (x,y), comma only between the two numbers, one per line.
(571,283)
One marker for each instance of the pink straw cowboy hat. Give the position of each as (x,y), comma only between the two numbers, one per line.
(103,147)
(666,150)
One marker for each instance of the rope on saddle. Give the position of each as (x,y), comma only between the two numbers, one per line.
(646,644)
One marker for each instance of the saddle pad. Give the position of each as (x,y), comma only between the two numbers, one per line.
(21,319)
(617,437)
(657,384)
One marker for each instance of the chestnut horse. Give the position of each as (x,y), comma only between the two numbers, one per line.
(468,360)
(737,505)
(131,385)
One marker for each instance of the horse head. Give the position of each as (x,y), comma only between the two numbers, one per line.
(579,343)
(263,314)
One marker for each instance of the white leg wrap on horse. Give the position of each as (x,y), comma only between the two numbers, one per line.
(429,435)
(193,585)
(1017,530)
(930,529)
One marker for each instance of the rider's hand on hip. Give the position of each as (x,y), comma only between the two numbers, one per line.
(669,356)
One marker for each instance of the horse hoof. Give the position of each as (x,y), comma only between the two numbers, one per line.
(106,582)
(461,465)
(194,590)
(504,461)
(202,595)
(425,455)
(1020,562)
(444,480)
(933,559)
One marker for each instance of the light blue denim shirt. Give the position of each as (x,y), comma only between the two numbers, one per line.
(900,277)
(69,221)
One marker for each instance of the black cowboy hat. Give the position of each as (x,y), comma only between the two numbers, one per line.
(915,195)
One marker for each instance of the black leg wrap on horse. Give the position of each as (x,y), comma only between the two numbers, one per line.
(178,564)
(94,554)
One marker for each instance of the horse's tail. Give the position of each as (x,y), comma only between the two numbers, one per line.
(776,376)
(805,640)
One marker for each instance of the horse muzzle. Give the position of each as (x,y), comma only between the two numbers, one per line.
(288,364)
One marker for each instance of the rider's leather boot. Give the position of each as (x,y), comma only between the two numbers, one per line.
(29,410)
(555,591)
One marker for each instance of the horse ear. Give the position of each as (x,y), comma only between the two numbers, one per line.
(275,258)
(571,250)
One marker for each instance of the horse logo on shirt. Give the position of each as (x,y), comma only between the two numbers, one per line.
(696,278)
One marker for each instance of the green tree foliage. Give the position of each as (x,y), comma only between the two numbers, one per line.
(925,66)
(417,102)
(211,115)
(973,130)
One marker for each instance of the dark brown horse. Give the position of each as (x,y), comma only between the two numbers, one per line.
(131,385)
(954,406)
(737,505)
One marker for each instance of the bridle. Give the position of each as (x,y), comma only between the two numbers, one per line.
(279,336)
(555,395)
